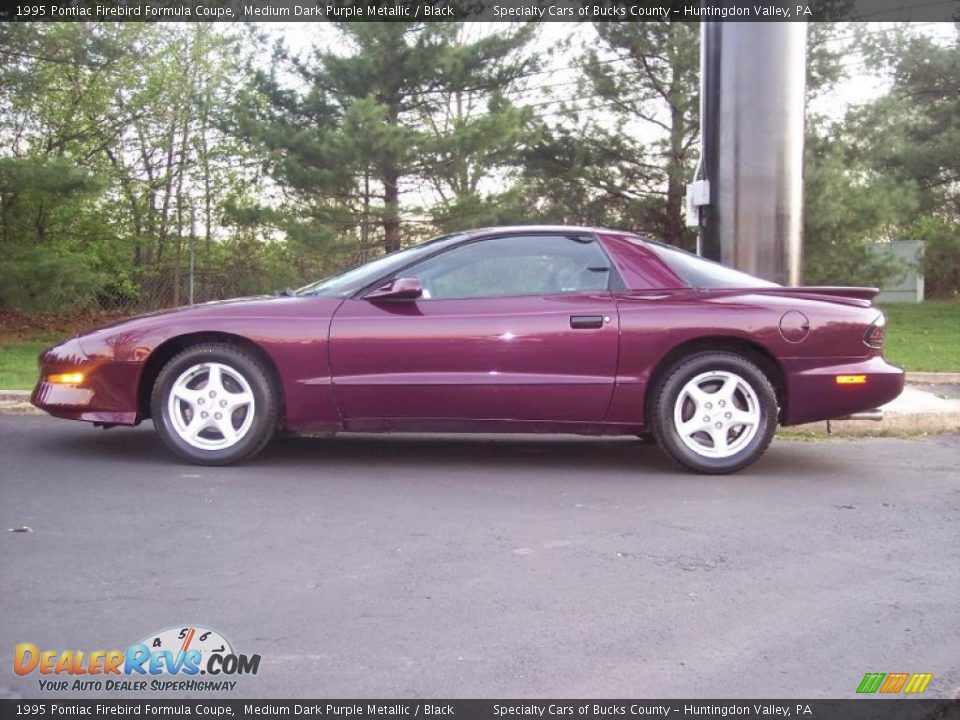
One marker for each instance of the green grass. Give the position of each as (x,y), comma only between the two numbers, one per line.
(919,337)
(18,364)
(924,336)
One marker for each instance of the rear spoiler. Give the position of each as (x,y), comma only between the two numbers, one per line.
(861,293)
(861,296)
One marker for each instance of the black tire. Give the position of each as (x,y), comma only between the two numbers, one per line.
(745,444)
(235,363)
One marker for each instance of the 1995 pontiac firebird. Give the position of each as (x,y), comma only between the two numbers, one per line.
(518,329)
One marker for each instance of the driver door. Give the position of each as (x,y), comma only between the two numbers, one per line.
(520,327)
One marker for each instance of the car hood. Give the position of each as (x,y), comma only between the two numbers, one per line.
(241,316)
(253,306)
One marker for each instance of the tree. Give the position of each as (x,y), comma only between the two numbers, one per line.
(912,136)
(48,231)
(474,134)
(848,206)
(409,106)
(342,145)
(915,128)
(630,166)
(110,140)
(887,170)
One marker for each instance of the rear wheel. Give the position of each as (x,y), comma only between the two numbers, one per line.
(215,404)
(715,413)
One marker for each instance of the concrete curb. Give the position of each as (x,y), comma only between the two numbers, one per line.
(933,378)
(892,424)
(17,402)
(14,395)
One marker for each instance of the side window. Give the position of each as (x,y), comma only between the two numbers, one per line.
(521,265)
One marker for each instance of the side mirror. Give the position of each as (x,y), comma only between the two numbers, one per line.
(399,289)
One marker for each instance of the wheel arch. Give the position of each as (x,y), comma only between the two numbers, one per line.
(752,351)
(164,352)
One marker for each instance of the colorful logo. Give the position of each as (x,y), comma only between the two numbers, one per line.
(894,682)
(179,651)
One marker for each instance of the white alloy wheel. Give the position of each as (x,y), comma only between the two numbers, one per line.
(717,414)
(211,406)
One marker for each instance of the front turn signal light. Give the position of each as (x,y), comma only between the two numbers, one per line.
(851,379)
(70,378)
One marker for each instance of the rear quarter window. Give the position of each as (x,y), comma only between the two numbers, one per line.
(702,273)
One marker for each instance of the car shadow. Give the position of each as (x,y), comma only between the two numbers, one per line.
(141,444)
(498,453)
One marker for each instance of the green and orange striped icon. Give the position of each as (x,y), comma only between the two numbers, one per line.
(894,682)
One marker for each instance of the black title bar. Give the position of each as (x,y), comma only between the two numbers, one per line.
(858,709)
(478,10)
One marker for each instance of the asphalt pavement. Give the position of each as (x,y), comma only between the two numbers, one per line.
(441,566)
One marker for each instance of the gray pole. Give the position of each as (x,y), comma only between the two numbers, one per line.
(193,244)
(753,84)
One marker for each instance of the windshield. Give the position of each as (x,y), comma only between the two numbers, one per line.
(703,273)
(350,281)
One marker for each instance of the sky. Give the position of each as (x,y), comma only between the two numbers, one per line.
(859,87)
(547,89)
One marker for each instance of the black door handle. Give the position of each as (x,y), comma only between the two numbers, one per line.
(585,322)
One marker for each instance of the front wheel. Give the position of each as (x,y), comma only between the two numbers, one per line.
(715,413)
(215,404)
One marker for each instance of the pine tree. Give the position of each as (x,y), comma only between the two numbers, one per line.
(476,135)
(406,107)
(631,164)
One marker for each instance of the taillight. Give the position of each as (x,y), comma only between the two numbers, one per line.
(876,332)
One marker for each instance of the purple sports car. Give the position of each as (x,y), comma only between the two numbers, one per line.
(515,329)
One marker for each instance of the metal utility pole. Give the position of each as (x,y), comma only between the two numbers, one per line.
(752,117)
(193,245)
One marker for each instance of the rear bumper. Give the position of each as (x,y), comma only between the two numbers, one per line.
(108,393)
(813,393)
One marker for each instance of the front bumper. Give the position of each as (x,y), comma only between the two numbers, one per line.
(813,393)
(108,393)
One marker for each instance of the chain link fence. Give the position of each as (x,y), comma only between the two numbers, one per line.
(166,285)
(159,288)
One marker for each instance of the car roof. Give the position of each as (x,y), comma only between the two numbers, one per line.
(530,229)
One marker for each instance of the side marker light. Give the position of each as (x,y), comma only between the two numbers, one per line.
(70,378)
(851,379)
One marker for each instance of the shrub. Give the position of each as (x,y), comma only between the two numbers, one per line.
(941,256)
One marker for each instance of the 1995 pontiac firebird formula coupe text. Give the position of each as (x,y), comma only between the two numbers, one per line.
(520,329)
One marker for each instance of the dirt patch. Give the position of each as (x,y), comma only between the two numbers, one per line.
(17,327)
